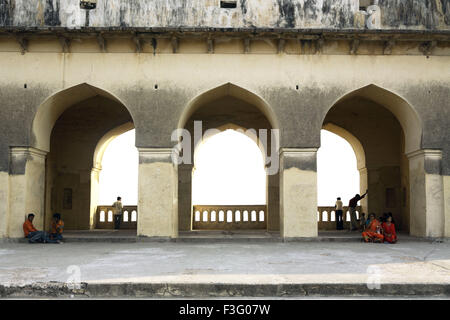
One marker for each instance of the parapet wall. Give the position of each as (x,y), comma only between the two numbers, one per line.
(303,14)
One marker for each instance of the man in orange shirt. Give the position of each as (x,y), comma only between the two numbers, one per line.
(33,235)
(57,227)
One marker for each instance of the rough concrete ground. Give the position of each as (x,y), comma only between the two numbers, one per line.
(194,264)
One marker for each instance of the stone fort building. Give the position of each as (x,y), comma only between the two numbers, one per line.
(75,74)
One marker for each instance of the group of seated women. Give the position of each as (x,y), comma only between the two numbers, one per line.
(379,230)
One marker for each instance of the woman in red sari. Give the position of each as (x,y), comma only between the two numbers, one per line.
(389,230)
(373,231)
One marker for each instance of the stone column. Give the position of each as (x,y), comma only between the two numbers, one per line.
(27,188)
(185,197)
(363,186)
(426,193)
(158,194)
(273,202)
(447,205)
(298,193)
(4,204)
(95,183)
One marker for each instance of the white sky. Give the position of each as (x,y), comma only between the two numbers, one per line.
(119,175)
(229,170)
(337,173)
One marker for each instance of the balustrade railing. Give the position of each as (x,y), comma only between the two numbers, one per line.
(326,217)
(214,217)
(105,217)
(226,217)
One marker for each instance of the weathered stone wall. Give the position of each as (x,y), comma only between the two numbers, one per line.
(329,14)
(300,112)
(297,90)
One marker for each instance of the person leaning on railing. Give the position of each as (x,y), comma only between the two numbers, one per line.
(117,211)
(339,212)
(352,208)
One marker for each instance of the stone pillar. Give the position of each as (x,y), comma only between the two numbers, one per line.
(363,186)
(27,188)
(158,194)
(4,204)
(185,197)
(273,202)
(426,193)
(447,205)
(95,183)
(298,192)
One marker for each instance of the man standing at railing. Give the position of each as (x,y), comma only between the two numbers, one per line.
(339,221)
(352,208)
(117,211)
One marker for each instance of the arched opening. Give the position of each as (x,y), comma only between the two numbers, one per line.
(229,176)
(211,115)
(119,170)
(340,173)
(381,128)
(75,126)
(228,170)
(115,175)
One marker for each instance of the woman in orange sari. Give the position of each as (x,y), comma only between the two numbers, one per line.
(373,231)
(389,230)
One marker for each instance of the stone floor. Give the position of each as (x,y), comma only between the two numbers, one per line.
(100,235)
(268,262)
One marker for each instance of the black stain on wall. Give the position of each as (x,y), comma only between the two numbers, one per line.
(395,13)
(287,13)
(18,165)
(446,11)
(244,7)
(433,166)
(122,15)
(302,162)
(6,12)
(51,13)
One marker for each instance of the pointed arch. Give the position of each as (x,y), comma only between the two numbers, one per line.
(233,90)
(103,143)
(54,106)
(253,135)
(405,113)
(352,140)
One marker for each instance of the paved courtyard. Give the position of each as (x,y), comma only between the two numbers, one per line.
(252,263)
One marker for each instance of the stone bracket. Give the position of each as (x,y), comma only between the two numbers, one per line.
(354,45)
(210,44)
(154,45)
(22,42)
(319,45)
(175,43)
(281,45)
(246,45)
(101,42)
(138,43)
(427,47)
(65,43)
(388,46)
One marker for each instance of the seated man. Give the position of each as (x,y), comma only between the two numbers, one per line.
(57,227)
(373,231)
(33,235)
